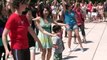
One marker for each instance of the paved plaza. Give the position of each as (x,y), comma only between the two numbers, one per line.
(95,48)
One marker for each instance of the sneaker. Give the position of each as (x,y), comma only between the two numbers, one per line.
(75,43)
(84,41)
(70,50)
(82,49)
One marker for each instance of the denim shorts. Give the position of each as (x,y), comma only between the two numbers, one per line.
(72,27)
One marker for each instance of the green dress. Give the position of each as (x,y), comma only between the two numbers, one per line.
(45,39)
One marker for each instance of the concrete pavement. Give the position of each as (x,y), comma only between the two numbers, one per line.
(95,49)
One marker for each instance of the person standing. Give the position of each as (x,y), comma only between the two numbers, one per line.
(89,10)
(17,26)
(70,20)
(105,10)
(80,22)
(2,23)
(57,42)
(101,12)
(43,23)
(3,18)
(28,13)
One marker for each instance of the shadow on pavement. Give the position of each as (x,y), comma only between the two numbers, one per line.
(69,57)
(89,42)
(78,49)
(84,42)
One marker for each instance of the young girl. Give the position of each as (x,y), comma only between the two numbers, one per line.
(70,20)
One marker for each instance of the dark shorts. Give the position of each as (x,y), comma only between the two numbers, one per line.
(57,56)
(23,54)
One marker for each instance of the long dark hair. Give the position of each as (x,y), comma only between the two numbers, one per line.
(16,3)
(41,8)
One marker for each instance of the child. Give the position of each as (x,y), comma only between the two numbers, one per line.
(57,42)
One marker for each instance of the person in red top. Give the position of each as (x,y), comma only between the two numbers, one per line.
(18,27)
(89,10)
(80,22)
(89,6)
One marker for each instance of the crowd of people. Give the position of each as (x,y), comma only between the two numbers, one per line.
(41,23)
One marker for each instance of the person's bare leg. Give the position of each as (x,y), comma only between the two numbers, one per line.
(75,42)
(32,53)
(84,39)
(69,38)
(78,37)
(43,54)
(49,53)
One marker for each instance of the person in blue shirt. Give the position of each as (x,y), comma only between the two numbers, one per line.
(70,20)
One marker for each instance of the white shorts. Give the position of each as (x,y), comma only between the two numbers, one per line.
(94,14)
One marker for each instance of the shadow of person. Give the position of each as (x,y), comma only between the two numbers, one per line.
(89,42)
(78,49)
(69,57)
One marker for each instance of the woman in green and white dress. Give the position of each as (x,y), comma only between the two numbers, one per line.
(43,23)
